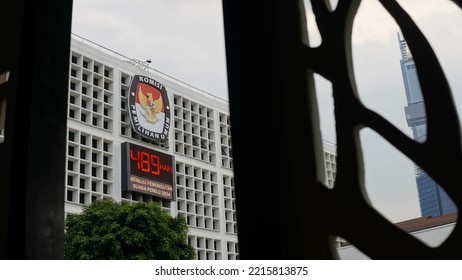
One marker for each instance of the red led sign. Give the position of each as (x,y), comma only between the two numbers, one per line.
(147,171)
(144,161)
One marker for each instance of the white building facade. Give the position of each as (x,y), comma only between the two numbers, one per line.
(199,140)
(330,163)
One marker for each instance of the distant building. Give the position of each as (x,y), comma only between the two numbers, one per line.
(330,161)
(433,200)
(430,230)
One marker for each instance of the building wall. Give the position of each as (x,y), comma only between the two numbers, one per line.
(199,139)
(330,160)
(413,90)
(433,199)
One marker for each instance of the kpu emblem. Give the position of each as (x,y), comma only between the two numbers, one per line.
(149,108)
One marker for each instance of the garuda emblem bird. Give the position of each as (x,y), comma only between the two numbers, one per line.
(150,105)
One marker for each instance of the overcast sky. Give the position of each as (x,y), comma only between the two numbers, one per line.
(185,39)
(182,38)
(390,181)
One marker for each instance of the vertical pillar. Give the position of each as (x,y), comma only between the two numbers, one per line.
(34,49)
(275,129)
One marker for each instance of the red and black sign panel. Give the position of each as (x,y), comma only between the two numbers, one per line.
(149,108)
(147,171)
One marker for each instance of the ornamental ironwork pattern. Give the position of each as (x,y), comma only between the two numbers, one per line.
(443,143)
(304,226)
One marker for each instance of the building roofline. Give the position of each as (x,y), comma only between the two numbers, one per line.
(426,222)
(160,73)
(419,224)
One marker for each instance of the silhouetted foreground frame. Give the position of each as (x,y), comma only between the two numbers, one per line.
(275,127)
(34,48)
(276,135)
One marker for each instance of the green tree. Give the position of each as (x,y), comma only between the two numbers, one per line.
(110,230)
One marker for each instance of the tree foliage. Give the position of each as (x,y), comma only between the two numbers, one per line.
(110,230)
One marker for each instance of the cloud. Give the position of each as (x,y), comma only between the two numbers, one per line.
(183,38)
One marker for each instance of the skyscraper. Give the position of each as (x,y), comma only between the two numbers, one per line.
(433,199)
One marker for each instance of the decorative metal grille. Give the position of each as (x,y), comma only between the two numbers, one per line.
(443,143)
(344,210)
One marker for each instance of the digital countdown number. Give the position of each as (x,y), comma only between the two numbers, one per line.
(146,162)
(147,171)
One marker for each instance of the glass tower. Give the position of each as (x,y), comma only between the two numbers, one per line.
(433,199)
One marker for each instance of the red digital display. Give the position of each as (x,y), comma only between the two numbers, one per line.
(147,171)
(146,162)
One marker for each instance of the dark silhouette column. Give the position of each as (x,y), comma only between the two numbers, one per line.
(34,49)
